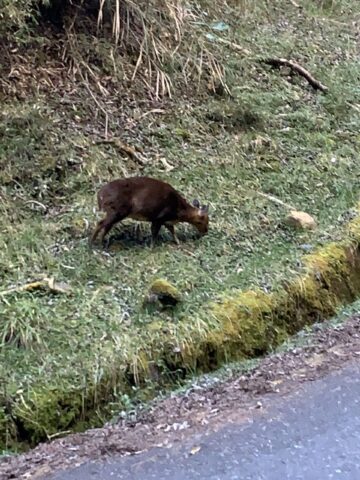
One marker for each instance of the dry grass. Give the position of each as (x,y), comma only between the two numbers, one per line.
(161,37)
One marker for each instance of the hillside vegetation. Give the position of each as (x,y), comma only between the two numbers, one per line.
(184,90)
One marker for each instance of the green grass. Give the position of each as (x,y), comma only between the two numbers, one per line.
(273,135)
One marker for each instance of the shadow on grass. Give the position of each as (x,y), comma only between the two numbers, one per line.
(139,236)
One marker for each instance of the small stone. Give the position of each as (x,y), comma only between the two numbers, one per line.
(307,247)
(301,220)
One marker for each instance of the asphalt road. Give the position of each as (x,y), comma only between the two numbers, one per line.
(312,435)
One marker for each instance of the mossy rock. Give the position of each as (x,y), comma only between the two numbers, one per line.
(78,227)
(164,292)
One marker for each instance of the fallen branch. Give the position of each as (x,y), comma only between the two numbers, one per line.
(154,110)
(58,434)
(283,62)
(234,46)
(45,283)
(35,202)
(354,106)
(167,165)
(275,200)
(131,152)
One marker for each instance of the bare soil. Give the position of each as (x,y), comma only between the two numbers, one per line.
(170,420)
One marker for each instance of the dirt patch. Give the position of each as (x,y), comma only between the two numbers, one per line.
(201,407)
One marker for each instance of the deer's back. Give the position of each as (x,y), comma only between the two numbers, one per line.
(141,198)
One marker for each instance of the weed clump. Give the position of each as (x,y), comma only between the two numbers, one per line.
(235,118)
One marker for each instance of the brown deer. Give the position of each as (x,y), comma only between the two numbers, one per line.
(150,200)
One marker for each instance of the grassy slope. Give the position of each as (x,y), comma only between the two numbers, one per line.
(302,147)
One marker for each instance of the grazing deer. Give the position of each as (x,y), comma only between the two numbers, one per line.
(150,200)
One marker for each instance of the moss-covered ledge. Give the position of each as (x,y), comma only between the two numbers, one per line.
(250,323)
(253,322)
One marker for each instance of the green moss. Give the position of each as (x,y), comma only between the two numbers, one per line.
(256,321)
(164,292)
(77,227)
(244,324)
(163,287)
(46,412)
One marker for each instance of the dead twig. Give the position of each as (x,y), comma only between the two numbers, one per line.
(234,46)
(35,202)
(44,283)
(275,200)
(58,434)
(154,110)
(86,83)
(131,152)
(354,106)
(283,62)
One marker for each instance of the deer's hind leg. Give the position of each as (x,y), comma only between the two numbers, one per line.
(105,225)
(99,226)
(109,222)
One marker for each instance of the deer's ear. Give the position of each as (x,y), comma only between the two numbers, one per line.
(205,208)
(196,203)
